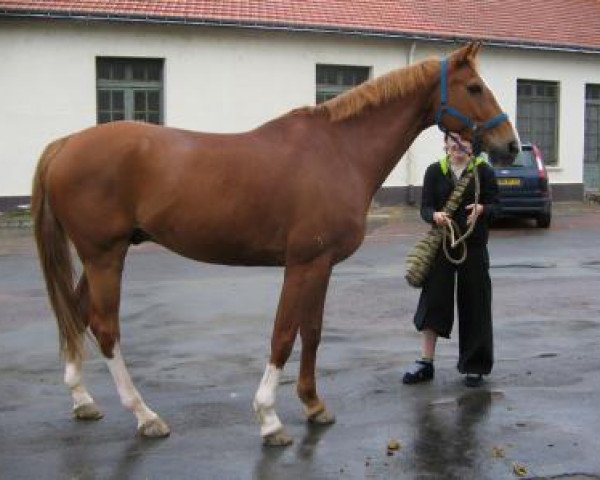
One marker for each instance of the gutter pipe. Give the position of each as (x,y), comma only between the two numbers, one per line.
(288,27)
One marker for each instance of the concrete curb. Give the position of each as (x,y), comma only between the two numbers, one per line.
(377,215)
(592,197)
(16,223)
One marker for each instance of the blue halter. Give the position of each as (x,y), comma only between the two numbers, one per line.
(445,109)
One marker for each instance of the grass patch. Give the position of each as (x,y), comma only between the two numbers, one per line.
(17,214)
(18,217)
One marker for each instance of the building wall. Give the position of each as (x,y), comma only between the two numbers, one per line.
(227,80)
(572,72)
(500,68)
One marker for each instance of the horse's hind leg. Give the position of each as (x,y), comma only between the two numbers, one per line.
(84,407)
(103,272)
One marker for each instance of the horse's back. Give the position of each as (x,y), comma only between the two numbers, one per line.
(181,188)
(223,198)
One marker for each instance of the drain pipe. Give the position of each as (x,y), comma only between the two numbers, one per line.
(410,191)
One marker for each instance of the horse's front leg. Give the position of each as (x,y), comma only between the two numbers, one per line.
(300,305)
(310,333)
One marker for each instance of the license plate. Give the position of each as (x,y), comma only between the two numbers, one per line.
(509,182)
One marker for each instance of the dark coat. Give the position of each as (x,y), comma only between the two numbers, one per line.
(438,186)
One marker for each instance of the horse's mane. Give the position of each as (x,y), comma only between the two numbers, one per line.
(395,84)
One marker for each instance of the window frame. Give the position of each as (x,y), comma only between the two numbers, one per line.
(327,90)
(129,86)
(591,137)
(589,101)
(551,158)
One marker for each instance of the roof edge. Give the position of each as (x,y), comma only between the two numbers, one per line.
(289,27)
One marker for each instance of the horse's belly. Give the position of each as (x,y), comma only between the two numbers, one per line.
(224,249)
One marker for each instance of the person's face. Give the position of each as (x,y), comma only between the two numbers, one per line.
(458,150)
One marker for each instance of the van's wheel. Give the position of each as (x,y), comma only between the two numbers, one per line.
(544,219)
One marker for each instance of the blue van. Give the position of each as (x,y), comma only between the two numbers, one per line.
(523,186)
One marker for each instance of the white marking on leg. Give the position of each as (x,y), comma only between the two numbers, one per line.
(264,401)
(73,380)
(130,397)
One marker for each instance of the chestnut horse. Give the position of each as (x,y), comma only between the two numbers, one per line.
(294,192)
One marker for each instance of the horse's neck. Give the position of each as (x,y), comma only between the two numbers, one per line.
(377,138)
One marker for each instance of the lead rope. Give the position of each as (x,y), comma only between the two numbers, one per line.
(450,229)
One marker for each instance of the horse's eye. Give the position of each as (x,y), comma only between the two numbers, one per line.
(474,89)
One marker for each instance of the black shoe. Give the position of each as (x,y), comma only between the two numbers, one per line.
(420,371)
(473,379)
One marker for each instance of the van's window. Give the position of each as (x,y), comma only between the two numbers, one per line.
(523,159)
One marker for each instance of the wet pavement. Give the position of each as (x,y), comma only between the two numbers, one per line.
(196,339)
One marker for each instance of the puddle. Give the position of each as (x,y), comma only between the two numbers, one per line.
(525,265)
(591,264)
(568,476)
(469,397)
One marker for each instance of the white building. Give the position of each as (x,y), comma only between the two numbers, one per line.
(224,67)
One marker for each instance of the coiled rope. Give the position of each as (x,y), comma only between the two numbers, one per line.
(421,257)
(449,229)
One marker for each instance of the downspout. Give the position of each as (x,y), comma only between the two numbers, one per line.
(410,191)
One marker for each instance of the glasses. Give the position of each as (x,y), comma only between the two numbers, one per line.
(460,148)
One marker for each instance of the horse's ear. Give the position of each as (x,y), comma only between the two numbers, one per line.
(469,52)
(475,47)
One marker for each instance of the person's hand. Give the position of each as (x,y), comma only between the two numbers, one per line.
(476,210)
(440,218)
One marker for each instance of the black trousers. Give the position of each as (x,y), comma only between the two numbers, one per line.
(474,301)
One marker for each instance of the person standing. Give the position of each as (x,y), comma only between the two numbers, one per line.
(435,312)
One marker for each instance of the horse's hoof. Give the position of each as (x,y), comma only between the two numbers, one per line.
(324,417)
(154,428)
(278,439)
(87,411)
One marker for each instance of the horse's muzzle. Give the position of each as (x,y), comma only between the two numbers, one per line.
(513,147)
(507,150)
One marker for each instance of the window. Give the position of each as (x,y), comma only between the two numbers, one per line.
(591,166)
(537,116)
(335,79)
(129,89)
(524,158)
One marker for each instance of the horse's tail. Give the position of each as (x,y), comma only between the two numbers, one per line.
(55,258)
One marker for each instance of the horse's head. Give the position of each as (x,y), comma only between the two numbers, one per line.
(467,106)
